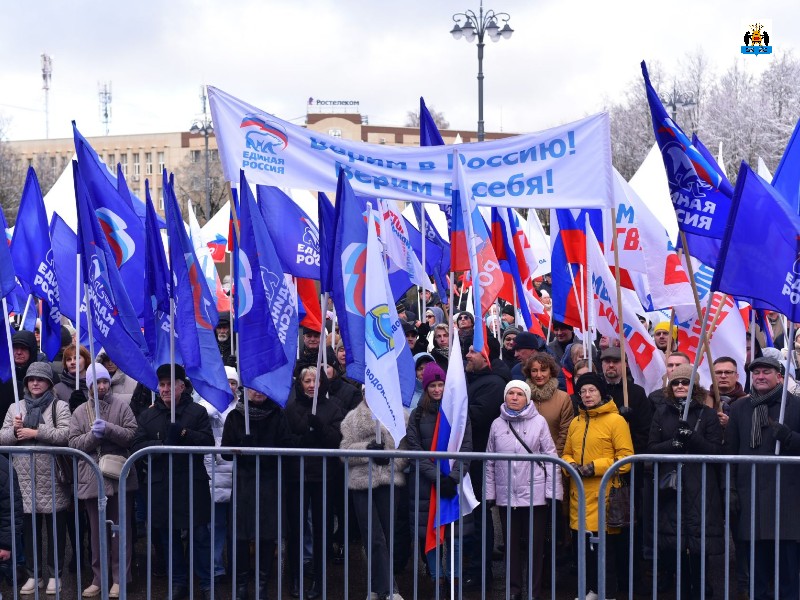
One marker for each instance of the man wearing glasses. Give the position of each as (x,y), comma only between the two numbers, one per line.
(730,390)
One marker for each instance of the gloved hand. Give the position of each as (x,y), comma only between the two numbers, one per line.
(374,445)
(382,460)
(781,432)
(490,504)
(76,398)
(314,422)
(736,507)
(173,435)
(448,488)
(684,432)
(678,444)
(586,470)
(99,428)
(626,412)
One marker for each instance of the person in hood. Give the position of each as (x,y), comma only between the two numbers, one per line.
(25,351)
(597,438)
(433,317)
(420,360)
(520,429)
(441,346)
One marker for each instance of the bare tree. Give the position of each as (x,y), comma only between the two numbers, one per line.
(412,118)
(190,184)
(12,177)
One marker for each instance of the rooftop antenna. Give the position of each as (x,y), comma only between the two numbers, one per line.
(104,92)
(47,73)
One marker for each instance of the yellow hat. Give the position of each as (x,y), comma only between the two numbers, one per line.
(664,326)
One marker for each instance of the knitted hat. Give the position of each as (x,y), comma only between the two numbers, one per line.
(528,341)
(511,331)
(508,310)
(230,373)
(664,326)
(592,379)
(42,370)
(684,372)
(521,385)
(431,373)
(96,373)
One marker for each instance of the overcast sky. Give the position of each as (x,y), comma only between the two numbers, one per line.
(562,63)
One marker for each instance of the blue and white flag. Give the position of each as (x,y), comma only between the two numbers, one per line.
(396,236)
(566,166)
(787,176)
(265,309)
(390,366)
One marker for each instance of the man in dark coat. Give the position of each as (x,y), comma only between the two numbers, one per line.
(564,336)
(309,352)
(191,428)
(223,335)
(25,353)
(754,430)
(10,520)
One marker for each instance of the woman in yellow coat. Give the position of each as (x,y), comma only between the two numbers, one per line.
(596,439)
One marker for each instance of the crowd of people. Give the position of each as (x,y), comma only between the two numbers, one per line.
(552,397)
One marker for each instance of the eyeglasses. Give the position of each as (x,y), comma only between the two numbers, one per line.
(429,317)
(586,391)
(725,373)
(677,382)
(464,319)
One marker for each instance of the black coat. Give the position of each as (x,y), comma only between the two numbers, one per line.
(642,415)
(707,439)
(268,431)
(153,427)
(485,391)
(7,517)
(7,387)
(298,408)
(347,395)
(737,441)
(419,436)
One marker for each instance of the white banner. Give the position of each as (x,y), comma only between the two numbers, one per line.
(564,167)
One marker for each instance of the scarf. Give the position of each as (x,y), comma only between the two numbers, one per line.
(35,408)
(545,392)
(256,413)
(760,413)
(68,379)
(514,413)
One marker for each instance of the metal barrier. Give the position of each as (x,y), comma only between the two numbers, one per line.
(658,483)
(331,462)
(16,454)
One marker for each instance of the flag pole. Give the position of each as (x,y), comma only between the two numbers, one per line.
(319,357)
(11,353)
(752,331)
(231,288)
(590,306)
(452,314)
(620,319)
(25,312)
(693,283)
(244,388)
(422,229)
(712,328)
(668,353)
(296,309)
(78,321)
(785,389)
(91,353)
(698,357)
(377,431)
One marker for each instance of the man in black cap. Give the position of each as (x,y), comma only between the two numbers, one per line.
(308,355)
(754,428)
(564,336)
(191,428)
(526,345)
(223,335)
(415,345)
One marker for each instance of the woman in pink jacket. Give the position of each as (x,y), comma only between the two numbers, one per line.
(523,486)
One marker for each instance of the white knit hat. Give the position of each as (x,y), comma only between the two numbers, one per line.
(230,373)
(519,384)
(96,372)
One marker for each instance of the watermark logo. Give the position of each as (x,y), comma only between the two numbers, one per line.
(756,38)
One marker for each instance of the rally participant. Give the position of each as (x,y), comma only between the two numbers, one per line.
(420,360)
(526,344)
(674,360)
(308,355)
(24,347)
(223,334)
(122,386)
(433,317)
(191,428)
(553,404)
(415,343)
(465,323)
(564,336)
(72,369)
(661,337)
(507,354)
(730,390)
(441,346)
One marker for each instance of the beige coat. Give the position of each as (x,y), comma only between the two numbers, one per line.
(557,411)
(50,434)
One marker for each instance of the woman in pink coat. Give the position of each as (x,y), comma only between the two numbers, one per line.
(524,487)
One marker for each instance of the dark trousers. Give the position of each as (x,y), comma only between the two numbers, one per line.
(517,545)
(296,509)
(478,558)
(266,554)
(591,556)
(201,556)
(764,569)
(377,530)
(44,521)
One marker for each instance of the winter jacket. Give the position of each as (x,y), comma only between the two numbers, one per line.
(122,386)
(706,439)
(642,414)
(10,521)
(558,411)
(53,432)
(419,437)
(269,429)
(599,436)
(485,394)
(222,482)
(66,387)
(358,430)
(347,395)
(298,408)
(737,441)
(27,339)
(533,429)
(120,429)
(153,426)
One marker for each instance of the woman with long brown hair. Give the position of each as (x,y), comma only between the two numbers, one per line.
(541,374)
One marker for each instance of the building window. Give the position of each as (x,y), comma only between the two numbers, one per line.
(54,166)
(112,162)
(64,162)
(337,133)
(136,167)
(195,156)
(30,162)
(213,155)
(148,163)
(160,197)
(123,160)
(161,165)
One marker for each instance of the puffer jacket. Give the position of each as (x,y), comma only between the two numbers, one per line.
(599,436)
(122,386)
(51,433)
(533,429)
(358,430)
(10,520)
(120,429)
(222,482)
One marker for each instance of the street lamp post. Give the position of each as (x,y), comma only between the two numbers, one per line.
(677,98)
(206,128)
(475,26)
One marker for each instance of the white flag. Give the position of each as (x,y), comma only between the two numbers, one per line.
(394,233)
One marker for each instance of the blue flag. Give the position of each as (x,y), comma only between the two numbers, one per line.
(195,310)
(327,237)
(701,196)
(32,254)
(8,282)
(267,318)
(787,176)
(114,321)
(65,248)
(155,321)
(437,251)
(122,227)
(760,256)
(349,275)
(294,234)
(428,131)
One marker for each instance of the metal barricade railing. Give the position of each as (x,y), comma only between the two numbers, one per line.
(712,484)
(292,469)
(15,456)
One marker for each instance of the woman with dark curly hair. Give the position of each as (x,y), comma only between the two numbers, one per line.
(700,433)
(541,374)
